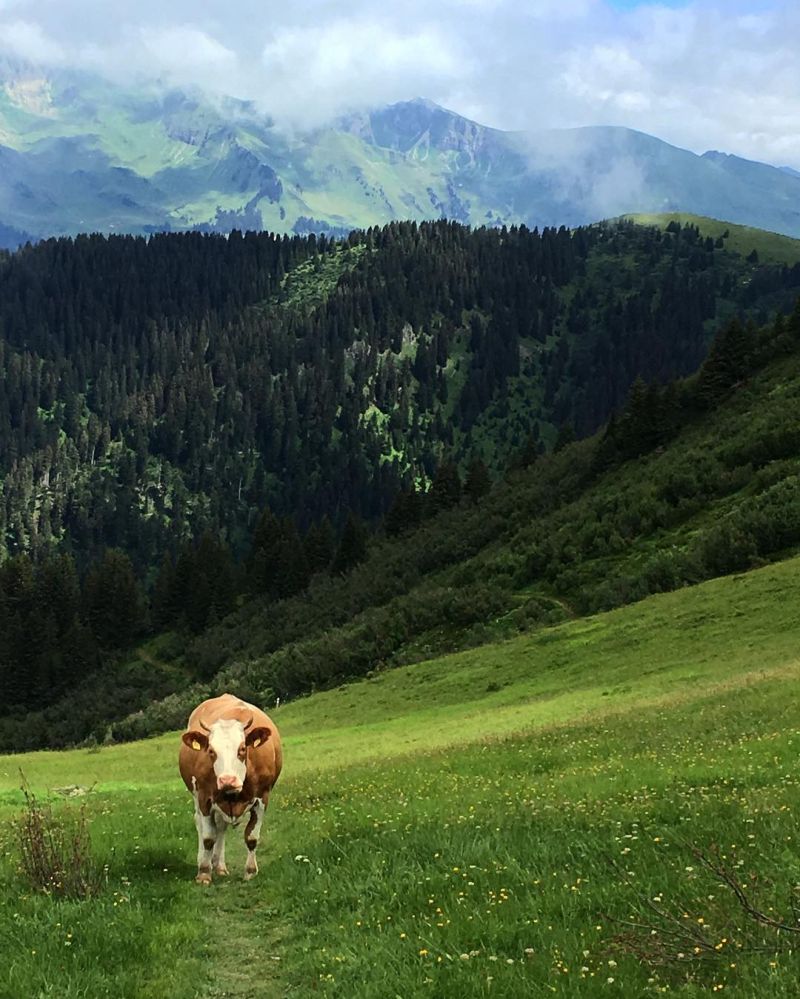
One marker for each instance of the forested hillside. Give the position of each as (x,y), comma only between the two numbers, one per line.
(694,479)
(155,390)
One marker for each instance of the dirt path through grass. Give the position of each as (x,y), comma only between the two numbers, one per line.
(245,930)
(244,943)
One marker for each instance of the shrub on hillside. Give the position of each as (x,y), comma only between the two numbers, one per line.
(55,855)
(374,638)
(161,716)
(725,548)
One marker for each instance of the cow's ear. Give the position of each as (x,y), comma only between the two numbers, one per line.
(195,740)
(258,735)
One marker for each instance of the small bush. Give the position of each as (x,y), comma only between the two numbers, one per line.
(55,851)
(169,713)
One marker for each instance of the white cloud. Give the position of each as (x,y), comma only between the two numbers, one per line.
(26,40)
(319,71)
(703,76)
(710,74)
(190,55)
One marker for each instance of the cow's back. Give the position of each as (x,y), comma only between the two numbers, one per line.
(264,761)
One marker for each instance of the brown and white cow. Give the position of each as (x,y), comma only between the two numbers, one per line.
(230,760)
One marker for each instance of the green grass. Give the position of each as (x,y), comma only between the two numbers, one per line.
(311,283)
(471,826)
(772,247)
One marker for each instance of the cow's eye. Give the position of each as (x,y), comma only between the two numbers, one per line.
(242,752)
(212,754)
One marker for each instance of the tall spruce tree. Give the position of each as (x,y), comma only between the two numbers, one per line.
(728,361)
(405,512)
(352,546)
(319,545)
(478,482)
(113,604)
(445,491)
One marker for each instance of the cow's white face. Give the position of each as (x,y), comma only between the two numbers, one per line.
(228,751)
(227,744)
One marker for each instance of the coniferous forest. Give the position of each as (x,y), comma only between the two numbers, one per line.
(190,421)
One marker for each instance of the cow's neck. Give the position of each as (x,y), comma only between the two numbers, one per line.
(234,808)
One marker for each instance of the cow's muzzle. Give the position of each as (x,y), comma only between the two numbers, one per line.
(229,783)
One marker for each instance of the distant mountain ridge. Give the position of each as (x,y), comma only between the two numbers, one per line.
(80,154)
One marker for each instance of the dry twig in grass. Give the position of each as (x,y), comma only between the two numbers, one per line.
(55,850)
(659,935)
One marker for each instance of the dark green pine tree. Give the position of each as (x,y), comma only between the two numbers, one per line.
(197,603)
(291,566)
(213,560)
(728,362)
(352,547)
(165,600)
(445,491)
(112,601)
(183,581)
(530,452)
(404,514)
(262,566)
(566,436)
(793,322)
(58,600)
(48,668)
(319,545)
(17,620)
(58,589)
(640,429)
(478,482)
(609,451)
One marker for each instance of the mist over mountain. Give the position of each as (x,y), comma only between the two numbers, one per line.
(80,154)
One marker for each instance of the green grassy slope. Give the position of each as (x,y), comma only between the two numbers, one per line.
(433,837)
(771,247)
(560,539)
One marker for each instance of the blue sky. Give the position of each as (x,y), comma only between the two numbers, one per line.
(719,74)
(629,4)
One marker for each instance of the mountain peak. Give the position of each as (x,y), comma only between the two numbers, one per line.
(423,102)
(716,156)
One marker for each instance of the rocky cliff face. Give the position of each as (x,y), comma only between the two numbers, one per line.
(418,127)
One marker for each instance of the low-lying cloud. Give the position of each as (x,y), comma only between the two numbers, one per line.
(708,74)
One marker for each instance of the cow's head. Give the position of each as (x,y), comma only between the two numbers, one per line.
(227,743)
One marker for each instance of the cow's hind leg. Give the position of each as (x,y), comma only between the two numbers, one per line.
(251,835)
(218,856)
(206,838)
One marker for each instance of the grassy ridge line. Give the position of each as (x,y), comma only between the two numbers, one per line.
(743,239)
(636,656)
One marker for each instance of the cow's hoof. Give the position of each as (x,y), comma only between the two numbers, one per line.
(222,871)
(249,875)
(203,878)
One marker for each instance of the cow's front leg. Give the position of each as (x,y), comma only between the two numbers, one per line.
(251,835)
(206,838)
(218,856)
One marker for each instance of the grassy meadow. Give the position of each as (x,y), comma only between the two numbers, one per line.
(772,247)
(521,819)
